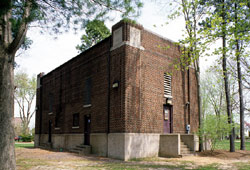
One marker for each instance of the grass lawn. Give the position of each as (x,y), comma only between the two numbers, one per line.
(225,145)
(24,145)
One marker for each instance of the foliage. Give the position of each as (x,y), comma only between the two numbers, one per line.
(96,31)
(213,128)
(26,138)
(25,92)
(229,20)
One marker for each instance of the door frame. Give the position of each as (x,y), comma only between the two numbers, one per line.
(170,117)
(50,132)
(87,129)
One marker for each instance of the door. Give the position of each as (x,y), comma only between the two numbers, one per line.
(50,127)
(87,122)
(167,118)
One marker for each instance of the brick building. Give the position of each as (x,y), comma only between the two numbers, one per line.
(119,97)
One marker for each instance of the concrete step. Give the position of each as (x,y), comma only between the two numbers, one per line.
(184,146)
(81,149)
(185,151)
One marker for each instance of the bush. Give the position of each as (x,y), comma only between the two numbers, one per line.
(26,138)
(213,128)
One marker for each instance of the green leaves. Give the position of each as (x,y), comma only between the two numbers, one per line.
(57,16)
(96,31)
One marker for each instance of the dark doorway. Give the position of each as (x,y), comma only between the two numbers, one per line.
(87,122)
(50,124)
(167,119)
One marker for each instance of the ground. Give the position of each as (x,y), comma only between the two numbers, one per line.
(38,159)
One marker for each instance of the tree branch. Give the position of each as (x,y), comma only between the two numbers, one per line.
(18,40)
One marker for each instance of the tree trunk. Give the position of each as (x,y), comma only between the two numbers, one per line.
(228,99)
(197,73)
(242,136)
(225,75)
(7,148)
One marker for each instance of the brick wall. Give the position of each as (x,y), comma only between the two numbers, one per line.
(136,105)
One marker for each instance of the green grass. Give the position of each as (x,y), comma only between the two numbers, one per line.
(24,145)
(146,166)
(24,164)
(243,165)
(208,167)
(224,145)
(128,166)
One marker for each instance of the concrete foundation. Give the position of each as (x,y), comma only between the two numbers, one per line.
(36,140)
(66,141)
(140,145)
(116,145)
(127,146)
(170,145)
(124,146)
(99,143)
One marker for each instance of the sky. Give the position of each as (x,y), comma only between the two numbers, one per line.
(47,53)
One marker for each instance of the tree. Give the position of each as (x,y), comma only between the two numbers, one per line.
(241,36)
(25,92)
(212,92)
(192,11)
(96,31)
(54,15)
(214,27)
(229,20)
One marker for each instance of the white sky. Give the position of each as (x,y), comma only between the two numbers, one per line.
(46,53)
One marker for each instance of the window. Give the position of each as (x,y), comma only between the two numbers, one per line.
(87,90)
(166,113)
(51,102)
(75,119)
(167,85)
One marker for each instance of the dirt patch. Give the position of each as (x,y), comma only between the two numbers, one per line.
(222,154)
(36,159)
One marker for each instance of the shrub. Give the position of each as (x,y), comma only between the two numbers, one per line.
(213,128)
(26,138)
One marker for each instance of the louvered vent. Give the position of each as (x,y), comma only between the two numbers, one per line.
(167,86)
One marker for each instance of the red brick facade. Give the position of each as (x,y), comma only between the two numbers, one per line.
(135,106)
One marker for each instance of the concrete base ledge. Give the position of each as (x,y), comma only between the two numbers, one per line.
(66,141)
(127,146)
(170,145)
(124,146)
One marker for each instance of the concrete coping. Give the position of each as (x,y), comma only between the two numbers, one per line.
(75,127)
(87,105)
(177,134)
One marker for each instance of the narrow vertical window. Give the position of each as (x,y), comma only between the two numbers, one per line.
(76,120)
(167,85)
(87,95)
(51,102)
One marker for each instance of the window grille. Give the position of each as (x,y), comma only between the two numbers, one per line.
(167,85)
(75,119)
(51,102)
(87,96)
